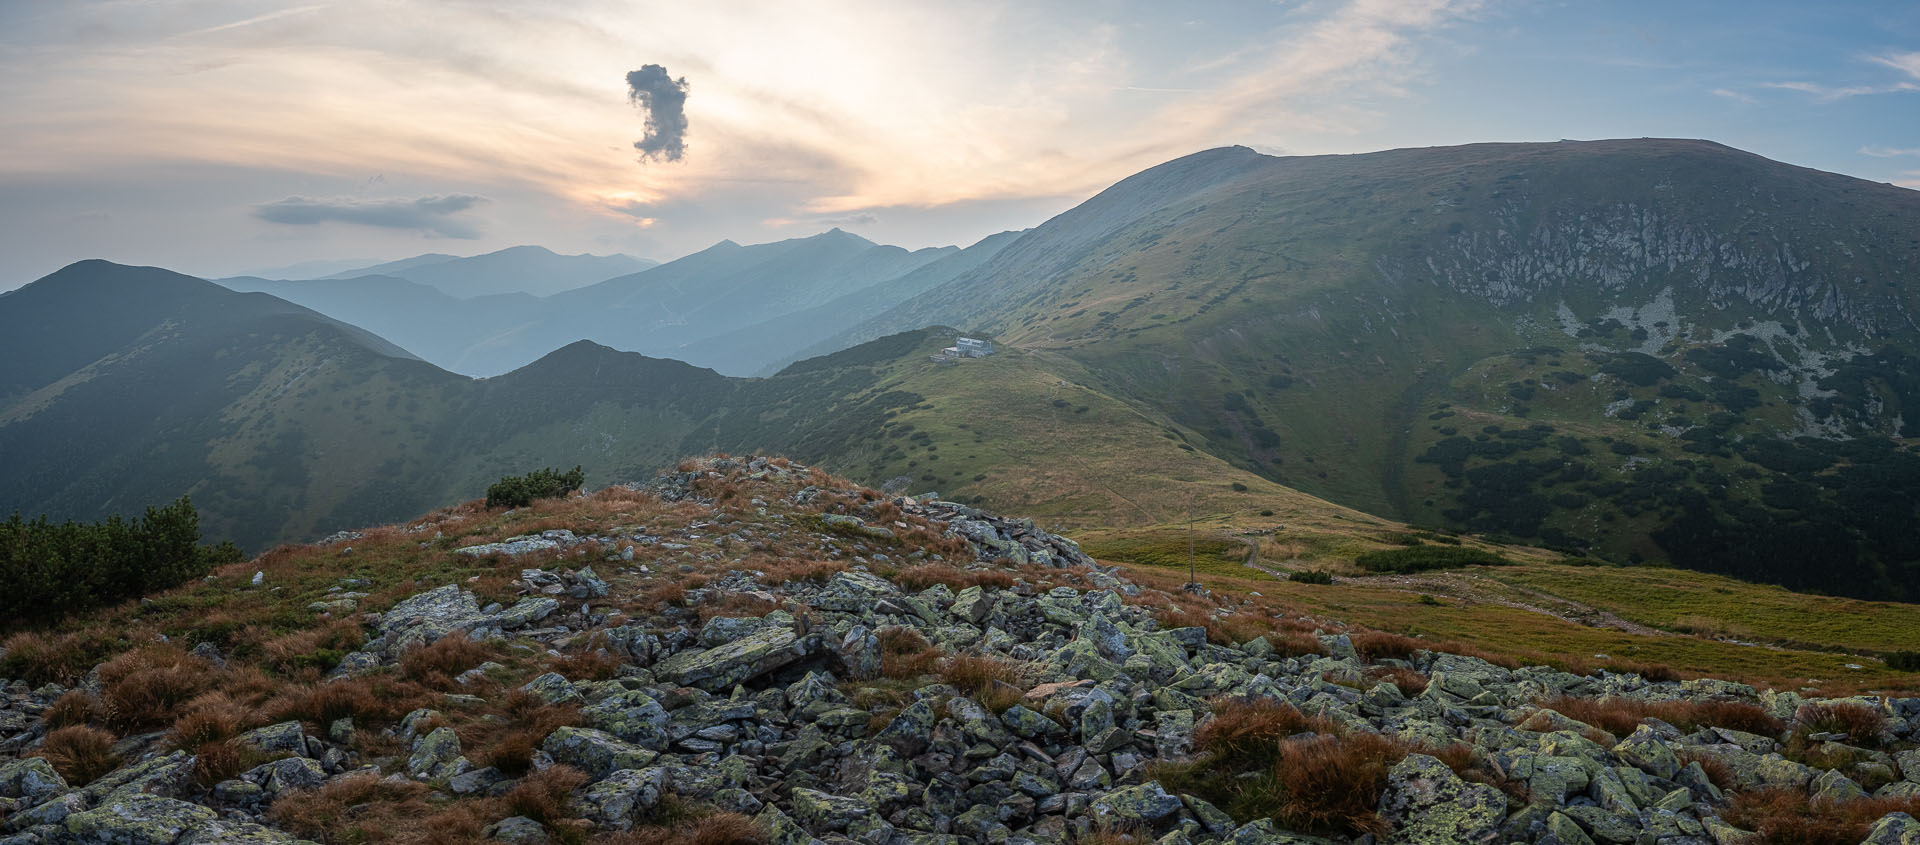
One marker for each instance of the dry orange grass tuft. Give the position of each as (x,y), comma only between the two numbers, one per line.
(80,753)
(1380,645)
(993,682)
(905,654)
(1251,729)
(1619,716)
(710,829)
(1335,783)
(1788,817)
(436,665)
(916,578)
(356,804)
(210,717)
(543,795)
(73,707)
(145,687)
(1861,724)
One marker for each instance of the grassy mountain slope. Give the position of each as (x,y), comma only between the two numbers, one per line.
(1643,321)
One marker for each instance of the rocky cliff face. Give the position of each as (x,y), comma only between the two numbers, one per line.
(749,651)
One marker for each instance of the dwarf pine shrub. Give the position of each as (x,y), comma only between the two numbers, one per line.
(519,491)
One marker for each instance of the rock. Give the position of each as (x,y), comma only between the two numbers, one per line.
(597,753)
(428,617)
(288,773)
(1894,829)
(283,738)
(138,819)
(1146,803)
(32,779)
(434,754)
(1565,831)
(1832,787)
(632,716)
(972,605)
(523,613)
(229,832)
(553,688)
(1645,751)
(743,659)
(624,794)
(1426,802)
(518,829)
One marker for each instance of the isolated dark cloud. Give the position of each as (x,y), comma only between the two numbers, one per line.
(431,214)
(665,100)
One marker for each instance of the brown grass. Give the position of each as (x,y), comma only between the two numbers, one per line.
(1719,772)
(595,665)
(708,829)
(905,655)
(320,705)
(1861,724)
(317,648)
(1620,716)
(1335,783)
(73,707)
(41,658)
(363,804)
(145,687)
(542,796)
(1788,817)
(993,682)
(1295,643)
(917,578)
(509,744)
(1248,731)
(1408,681)
(1380,645)
(437,664)
(787,570)
(211,717)
(80,753)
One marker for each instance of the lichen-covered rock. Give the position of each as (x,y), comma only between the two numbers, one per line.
(32,779)
(597,753)
(633,716)
(519,830)
(1894,829)
(749,657)
(428,617)
(1146,803)
(138,819)
(615,801)
(283,738)
(291,773)
(553,688)
(1647,752)
(434,754)
(524,612)
(228,832)
(1427,804)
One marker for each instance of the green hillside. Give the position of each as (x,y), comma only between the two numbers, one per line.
(1619,347)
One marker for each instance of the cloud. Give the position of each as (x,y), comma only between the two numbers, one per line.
(1732,95)
(1826,94)
(431,214)
(665,100)
(1908,63)
(1889,152)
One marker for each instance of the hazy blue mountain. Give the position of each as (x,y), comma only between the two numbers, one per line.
(531,270)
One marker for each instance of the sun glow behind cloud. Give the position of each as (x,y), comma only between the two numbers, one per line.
(862,105)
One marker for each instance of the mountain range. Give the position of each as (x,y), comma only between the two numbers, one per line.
(1641,350)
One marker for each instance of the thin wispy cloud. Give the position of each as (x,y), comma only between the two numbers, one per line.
(432,215)
(1890,152)
(1730,94)
(1908,63)
(1829,94)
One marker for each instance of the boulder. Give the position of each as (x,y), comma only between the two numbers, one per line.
(138,819)
(748,657)
(1427,804)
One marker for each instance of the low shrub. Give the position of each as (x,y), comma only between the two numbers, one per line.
(1311,576)
(1425,558)
(337,812)
(437,664)
(145,687)
(1904,661)
(73,707)
(543,795)
(519,491)
(1380,645)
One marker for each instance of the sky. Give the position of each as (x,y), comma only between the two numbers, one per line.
(217,137)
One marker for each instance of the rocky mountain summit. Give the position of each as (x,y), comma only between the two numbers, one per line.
(748,650)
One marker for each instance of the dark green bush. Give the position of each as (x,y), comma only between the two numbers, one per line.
(1904,661)
(1423,558)
(519,491)
(52,569)
(1312,576)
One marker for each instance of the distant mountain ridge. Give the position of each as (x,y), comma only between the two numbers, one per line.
(741,309)
(533,270)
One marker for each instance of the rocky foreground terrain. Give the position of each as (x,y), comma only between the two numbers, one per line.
(747,650)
